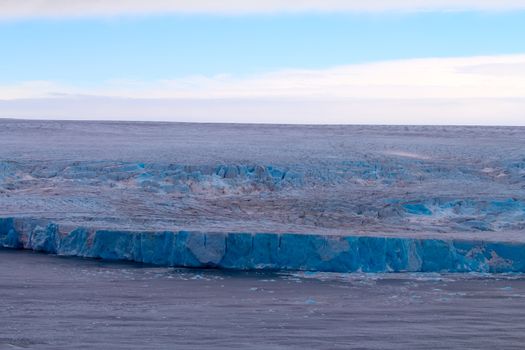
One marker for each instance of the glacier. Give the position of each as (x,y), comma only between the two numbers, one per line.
(266,251)
(301,197)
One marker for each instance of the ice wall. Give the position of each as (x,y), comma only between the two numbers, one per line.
(243,251)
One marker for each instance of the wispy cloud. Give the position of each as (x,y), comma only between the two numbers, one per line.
(468,90)
(464,77)
(66,8)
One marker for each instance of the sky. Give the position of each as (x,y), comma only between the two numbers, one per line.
(296,61)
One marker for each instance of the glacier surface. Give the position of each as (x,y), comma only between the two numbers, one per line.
(265,178)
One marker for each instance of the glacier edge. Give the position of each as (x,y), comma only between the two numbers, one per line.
(279,251)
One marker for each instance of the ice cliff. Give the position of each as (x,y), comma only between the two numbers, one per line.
(246,251)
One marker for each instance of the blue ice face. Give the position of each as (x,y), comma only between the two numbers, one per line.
(248,251)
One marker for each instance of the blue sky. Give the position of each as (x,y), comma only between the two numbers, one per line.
(161,47)
(210,54)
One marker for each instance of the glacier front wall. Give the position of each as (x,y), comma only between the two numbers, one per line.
(248,251)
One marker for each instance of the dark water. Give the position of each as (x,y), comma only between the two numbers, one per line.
(49,302)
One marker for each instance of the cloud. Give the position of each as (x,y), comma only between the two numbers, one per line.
(68,8)
(465,90)
(463,77)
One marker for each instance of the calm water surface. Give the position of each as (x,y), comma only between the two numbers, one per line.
(48,302)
